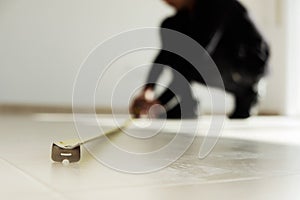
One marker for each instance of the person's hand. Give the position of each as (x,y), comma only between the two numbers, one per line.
(143,103)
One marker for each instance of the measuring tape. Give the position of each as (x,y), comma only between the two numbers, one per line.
(69,151)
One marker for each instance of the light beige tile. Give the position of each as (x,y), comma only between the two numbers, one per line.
(254,159)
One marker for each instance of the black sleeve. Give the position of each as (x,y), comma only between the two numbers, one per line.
(155,71)
(163,58)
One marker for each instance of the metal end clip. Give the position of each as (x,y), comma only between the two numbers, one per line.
(61,152)
(70,150)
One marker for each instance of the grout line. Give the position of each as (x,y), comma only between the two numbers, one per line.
(28,175)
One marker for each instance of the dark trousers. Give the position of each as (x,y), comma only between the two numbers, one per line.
(186,106)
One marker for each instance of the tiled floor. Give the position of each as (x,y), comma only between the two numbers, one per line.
(254,159)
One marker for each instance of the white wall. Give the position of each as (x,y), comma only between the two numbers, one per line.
(43,43)
(293,83)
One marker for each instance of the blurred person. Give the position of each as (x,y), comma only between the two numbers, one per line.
(225,30)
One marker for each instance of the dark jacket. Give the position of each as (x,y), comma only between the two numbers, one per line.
(241,48)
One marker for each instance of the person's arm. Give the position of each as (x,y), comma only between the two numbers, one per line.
(155,72)
(142,103)
(163,58)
